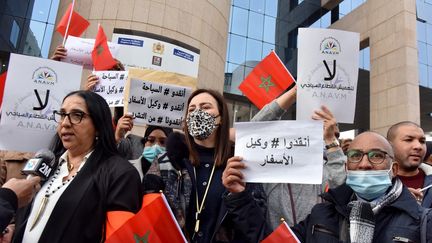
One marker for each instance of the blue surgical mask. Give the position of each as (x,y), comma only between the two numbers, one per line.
(369,184)
(150,153)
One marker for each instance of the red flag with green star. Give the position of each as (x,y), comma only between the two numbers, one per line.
(101,55)
(266,81)
(154,223)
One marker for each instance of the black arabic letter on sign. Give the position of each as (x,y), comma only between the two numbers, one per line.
(42,105)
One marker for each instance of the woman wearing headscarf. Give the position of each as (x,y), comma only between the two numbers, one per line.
(91,179)
(192,173)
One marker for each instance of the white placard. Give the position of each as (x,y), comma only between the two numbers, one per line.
(281,151)
(111,86)
(327,72)
(35,87)
(143,52)
(156,103)
(79,51)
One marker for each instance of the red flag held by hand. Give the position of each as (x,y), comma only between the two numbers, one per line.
(2,86)
(266,81)
(77,24)
(101,55)
(282,233)
(153,223)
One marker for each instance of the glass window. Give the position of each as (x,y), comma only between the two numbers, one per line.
(429,33)
(423,77)
(269,29)
(345,7)
(241,3)
(41,10)
(428,1)
(34,38)
(53,11)
(366,58)
(15,31)
(271,7)
(421,31)
(430,75)
(325,20)
(255,28)
(47,40)
(254,50)
(422,52)
(267,48)
(356,3)
(429,55)
(231,67)
(237,49)
(239,21)
(257,6)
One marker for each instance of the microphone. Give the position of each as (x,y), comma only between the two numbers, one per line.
(152,183)
(41,165)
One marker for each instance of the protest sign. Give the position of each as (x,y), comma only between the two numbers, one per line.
(327,74)
(281,151)
(147,51)
(157,103)
(35,87)
(111,86)
(79,51)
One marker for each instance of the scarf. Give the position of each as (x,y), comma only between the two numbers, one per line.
(362,215)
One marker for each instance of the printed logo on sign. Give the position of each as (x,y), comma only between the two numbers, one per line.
(157,61)
(31,164)
(183,54)
(330,46)
(130,42)
(44,75)
(158,48)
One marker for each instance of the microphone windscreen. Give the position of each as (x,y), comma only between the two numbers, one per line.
(152,183)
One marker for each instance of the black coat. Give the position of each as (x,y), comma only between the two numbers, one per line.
(328,221)
(8,206)
(102,185)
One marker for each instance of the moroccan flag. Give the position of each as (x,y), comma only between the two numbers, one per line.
(266,81)
(282,233)
(2,86)
(101,55)
(153,223)
(77,24)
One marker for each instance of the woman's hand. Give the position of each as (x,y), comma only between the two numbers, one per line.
(124,125)
(232,177)
(59,53)
(92,80)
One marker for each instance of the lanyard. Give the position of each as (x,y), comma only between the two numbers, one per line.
(198,206)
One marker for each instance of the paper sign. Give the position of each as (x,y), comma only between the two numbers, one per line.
(145,52)
(281,151)
(79,51)
(157,103)
(35,87)
(111,86)
(327,74)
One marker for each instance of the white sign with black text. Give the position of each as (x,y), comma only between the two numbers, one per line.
(35,87)
(111,86)
(281,151)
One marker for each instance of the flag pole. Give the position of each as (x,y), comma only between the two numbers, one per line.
(69,20)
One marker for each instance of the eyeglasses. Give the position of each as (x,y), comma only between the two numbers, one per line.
(75,117)
(375,156)
(153,140)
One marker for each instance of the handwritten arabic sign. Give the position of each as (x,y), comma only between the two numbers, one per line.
(156,103)
(281,151)
(79,51)
(35,87)
(111,86)
(327,72)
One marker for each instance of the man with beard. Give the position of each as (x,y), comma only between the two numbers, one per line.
(409,144)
